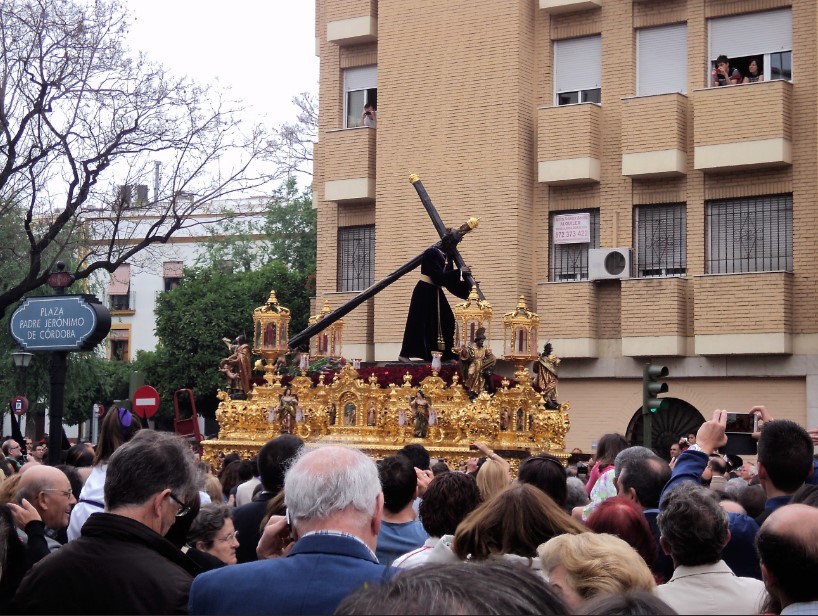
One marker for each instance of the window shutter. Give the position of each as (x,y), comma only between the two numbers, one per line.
(751,34)
(172,269)
(578,64)
(661,61)
(120,281)
(361,78)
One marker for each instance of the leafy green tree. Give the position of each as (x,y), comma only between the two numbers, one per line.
(90,379)
(285,232)
(210,304)
(290,228)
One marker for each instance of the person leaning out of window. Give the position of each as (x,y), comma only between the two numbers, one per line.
(723,75)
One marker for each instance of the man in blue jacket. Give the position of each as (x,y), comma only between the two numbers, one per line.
(334,506)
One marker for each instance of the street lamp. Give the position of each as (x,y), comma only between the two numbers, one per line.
(21,359)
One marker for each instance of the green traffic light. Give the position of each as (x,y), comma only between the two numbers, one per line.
(652,387)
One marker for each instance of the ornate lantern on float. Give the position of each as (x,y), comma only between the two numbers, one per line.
(270,331)
(520,336)
(327,343)
(469,316)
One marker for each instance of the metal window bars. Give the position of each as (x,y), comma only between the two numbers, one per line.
(660,236)
(356,257)
(570,261)
(752,234)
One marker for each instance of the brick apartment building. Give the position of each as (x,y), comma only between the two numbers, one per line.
(558,120)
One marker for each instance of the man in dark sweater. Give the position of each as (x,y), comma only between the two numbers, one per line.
(122,563)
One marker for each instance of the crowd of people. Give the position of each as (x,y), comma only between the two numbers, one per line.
(139,525)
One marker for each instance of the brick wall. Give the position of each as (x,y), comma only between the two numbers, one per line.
(336,10)
(572,131)
(466,100)
(350,153)
(770,100)
(665,298)
(743,303)
(568,310)
(651,123)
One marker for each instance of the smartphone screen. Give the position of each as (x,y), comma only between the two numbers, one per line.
(742,422)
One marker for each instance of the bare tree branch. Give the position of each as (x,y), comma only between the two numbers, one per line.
(81,116)
(293,143)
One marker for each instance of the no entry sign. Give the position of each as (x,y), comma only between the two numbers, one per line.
(145,401)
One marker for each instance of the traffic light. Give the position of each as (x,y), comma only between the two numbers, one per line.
(652,387)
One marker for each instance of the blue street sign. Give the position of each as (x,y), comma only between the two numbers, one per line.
(60,323)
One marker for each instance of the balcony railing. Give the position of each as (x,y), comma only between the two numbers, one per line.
(654,134)
(568,6)
(349,157)
(729,320)
(569,143)
(352,22)
(722,138)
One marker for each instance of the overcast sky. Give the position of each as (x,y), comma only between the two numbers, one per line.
(264,50)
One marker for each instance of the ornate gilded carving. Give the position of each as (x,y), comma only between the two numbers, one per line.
(378,420)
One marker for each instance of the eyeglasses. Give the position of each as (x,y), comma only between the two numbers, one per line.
(65,493)
(230,537)
(184,508)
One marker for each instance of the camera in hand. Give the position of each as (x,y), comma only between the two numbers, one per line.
(739,429)
(745,423)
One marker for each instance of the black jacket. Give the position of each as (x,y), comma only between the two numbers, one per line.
(247,521)
(117,566)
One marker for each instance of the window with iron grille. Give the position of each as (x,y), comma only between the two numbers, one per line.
(570,261)
(752,234)
(660,236)
(356,257)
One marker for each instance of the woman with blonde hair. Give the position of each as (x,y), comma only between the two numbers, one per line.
(213,488)
(494,474)
(581,566)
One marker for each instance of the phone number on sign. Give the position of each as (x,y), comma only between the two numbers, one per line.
(571,234)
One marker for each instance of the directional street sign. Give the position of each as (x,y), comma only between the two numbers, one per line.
(60,323)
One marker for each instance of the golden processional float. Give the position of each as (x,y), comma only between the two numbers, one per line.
(343,408)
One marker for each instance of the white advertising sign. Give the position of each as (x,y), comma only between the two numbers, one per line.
(572,228)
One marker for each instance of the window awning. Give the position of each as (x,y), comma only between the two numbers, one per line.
(173,269)
(120,281)
(119,334)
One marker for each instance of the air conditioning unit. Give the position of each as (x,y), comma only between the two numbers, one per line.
(609,263)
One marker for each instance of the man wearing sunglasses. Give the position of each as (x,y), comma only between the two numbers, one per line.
(122,563)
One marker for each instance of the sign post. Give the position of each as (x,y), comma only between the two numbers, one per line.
(59,324)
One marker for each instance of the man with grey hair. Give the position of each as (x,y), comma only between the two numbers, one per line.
(747,471)
(695,530)
(122,563)
(334,510)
